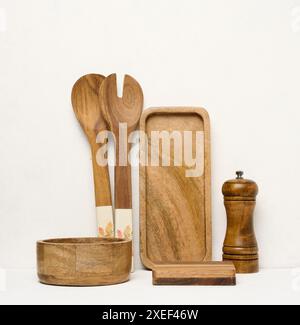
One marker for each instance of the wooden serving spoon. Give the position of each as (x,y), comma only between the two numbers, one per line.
(85,101)
(118,110)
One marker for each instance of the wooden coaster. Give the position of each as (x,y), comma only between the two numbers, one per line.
(207,273)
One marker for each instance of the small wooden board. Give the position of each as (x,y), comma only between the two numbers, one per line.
(209,274)
(175,212)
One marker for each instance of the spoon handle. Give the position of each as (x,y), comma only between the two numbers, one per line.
(105,222)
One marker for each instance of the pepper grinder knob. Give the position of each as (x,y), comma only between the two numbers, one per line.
(239,174)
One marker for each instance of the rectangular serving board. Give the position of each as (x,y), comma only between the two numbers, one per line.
(175,210)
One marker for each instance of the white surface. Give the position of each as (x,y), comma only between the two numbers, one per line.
(267,287)
(238,59)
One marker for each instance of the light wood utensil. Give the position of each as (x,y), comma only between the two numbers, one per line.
(83,261)
(85,101)
(209,273)
(126,110)
(175,205)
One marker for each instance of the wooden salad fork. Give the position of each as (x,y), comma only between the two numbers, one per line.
(119,113)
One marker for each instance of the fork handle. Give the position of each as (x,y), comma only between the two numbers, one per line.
(123,201)
(123,187)
(123,205)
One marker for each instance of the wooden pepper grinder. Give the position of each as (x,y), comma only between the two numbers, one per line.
(240,245)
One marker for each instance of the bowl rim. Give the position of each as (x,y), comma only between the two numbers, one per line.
(90,241)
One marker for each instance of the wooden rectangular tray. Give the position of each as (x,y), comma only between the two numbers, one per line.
(175,210)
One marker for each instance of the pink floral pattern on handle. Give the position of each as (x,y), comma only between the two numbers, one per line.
(126,234)
(105,222)
(119,234)
(108,232)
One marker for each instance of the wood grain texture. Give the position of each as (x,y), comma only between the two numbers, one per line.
(175,210)
(210,273)
(83,261)
(240,245)
(85,101)
(117,110)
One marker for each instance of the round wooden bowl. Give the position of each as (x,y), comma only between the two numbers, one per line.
(84,261)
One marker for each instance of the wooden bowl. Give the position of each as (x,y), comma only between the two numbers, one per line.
(84,261)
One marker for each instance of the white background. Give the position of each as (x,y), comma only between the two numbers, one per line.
(238,59)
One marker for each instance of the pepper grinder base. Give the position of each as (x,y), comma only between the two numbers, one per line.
(244,267)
